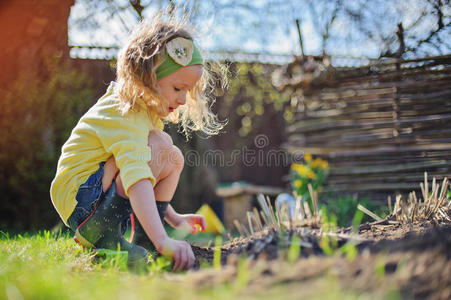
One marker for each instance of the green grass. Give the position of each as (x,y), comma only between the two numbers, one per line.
(43,266)
(48,266)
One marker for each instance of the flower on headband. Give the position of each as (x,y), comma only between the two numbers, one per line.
(180,50)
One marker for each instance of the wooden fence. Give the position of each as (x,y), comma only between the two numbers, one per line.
(379,126)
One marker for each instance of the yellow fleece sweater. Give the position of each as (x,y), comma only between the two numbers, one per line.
(101,133)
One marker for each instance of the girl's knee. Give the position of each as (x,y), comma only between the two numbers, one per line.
(165,157)
(176,158)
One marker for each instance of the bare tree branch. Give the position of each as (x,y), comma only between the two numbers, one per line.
(258,22)
(136,4)
(428,39)
(328,25)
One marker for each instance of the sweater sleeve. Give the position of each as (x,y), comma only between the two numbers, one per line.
(127,140)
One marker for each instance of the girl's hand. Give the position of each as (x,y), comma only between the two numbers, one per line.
(179,251)
(188,222)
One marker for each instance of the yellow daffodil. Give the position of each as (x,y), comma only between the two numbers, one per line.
(318,162)
(296,167)
(300,169)
(303,170)
(311,174)
(307,157)
(297,183)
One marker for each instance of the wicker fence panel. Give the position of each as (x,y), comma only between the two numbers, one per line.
(381,126)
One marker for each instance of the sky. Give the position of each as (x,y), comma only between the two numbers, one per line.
(266,26)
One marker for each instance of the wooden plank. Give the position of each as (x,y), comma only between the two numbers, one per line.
(389,168)
(374,187)
(365,141)
(383,159)
(401,142)
(389,76)
(381,135)
(315,125)
(371,158)
(342,151)
(402,86)
(407,177)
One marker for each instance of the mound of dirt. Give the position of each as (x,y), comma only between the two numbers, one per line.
(416,261)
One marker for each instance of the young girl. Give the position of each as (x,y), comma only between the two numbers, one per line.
(118,160)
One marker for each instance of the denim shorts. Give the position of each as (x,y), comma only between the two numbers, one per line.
(87,197)
(90,194)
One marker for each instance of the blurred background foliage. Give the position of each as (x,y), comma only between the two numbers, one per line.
(38,118)
(253,108)
(250,91)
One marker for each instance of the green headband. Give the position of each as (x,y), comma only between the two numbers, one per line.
(179,52)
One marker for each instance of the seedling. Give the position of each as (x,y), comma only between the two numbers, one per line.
(295,249)
(217,253)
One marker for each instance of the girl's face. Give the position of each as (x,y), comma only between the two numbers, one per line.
(175,86)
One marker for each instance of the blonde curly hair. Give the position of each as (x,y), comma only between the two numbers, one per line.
(136,76)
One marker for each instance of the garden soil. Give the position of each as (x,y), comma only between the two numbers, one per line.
(413,259)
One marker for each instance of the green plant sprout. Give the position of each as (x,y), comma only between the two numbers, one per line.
(217,253)
(356,221)
(328,243)
(160,264)
(325,245)
(328,220)
(349,250)
(295,249)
